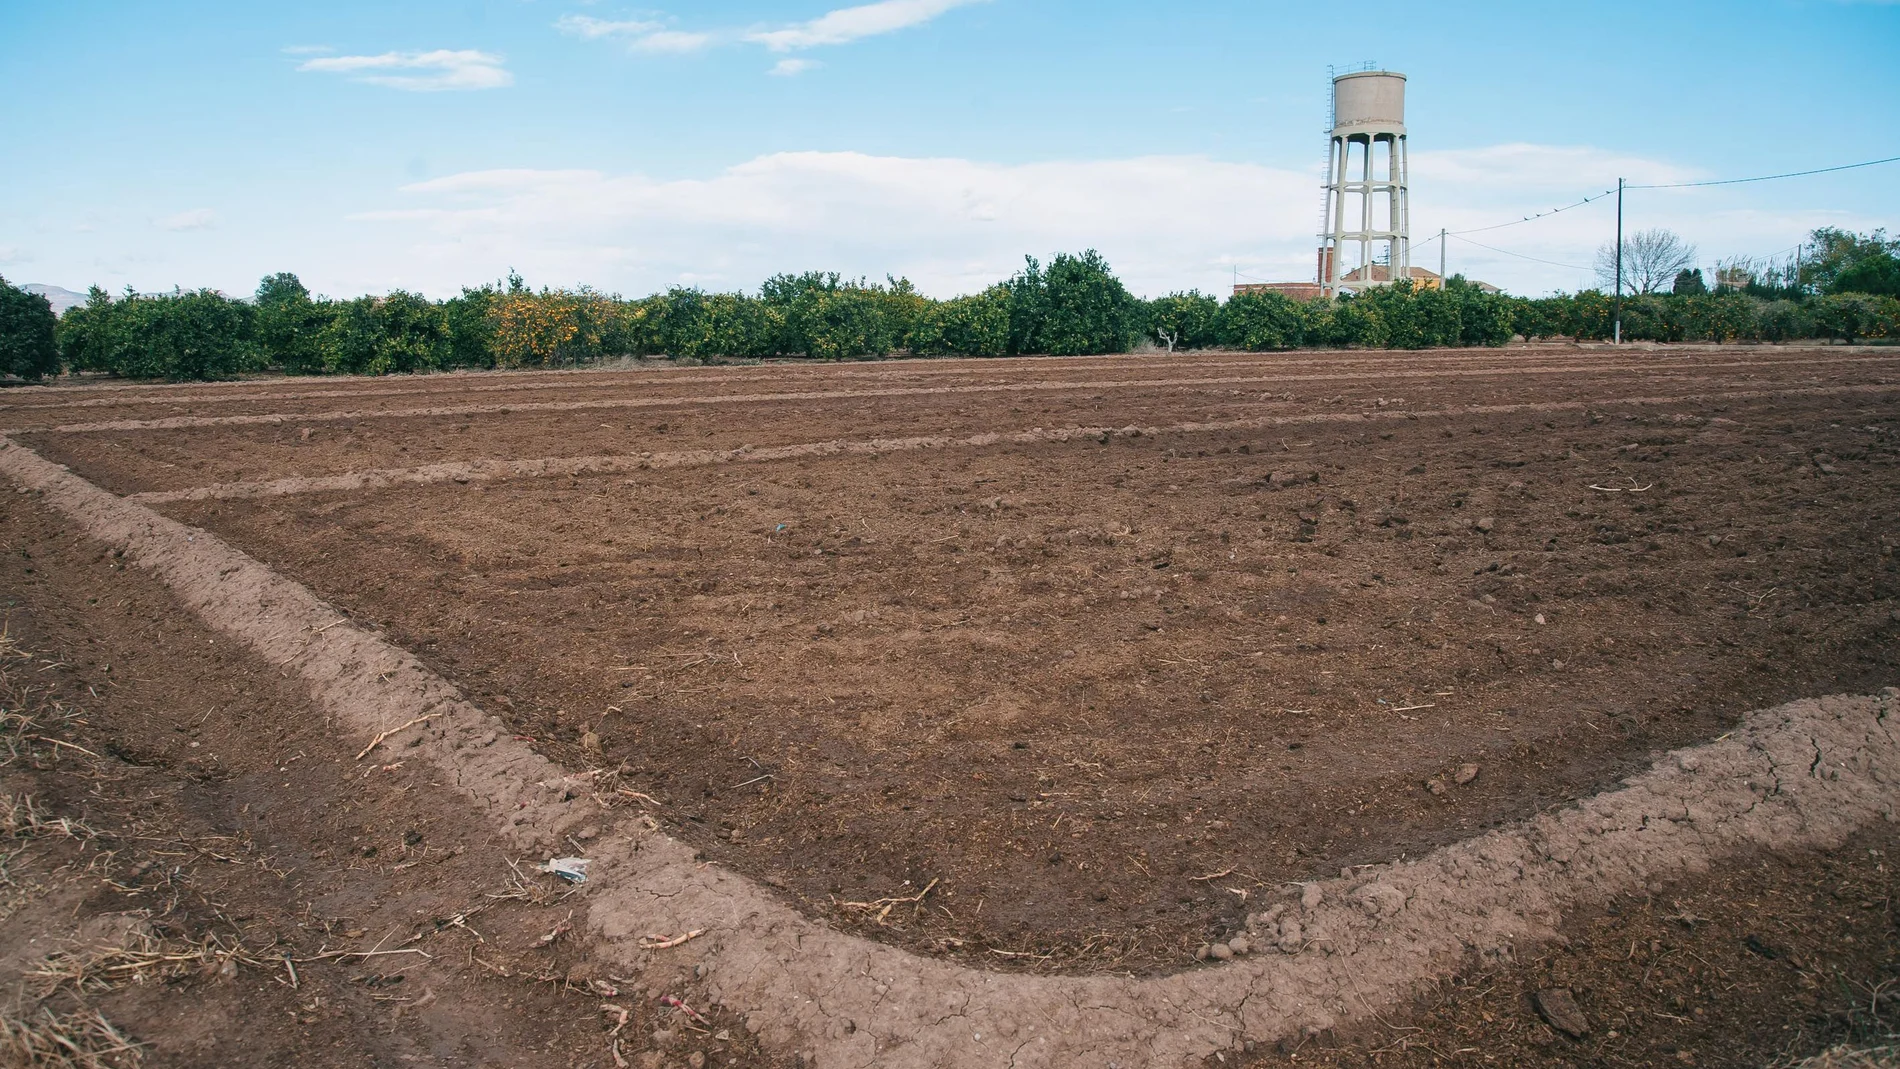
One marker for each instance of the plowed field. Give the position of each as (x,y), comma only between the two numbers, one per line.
(1092,651)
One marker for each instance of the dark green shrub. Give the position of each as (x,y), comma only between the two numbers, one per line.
(85,332)
(1856,316)
(977,325)
(1190,320)
(177,336)
(403,332)
(1785,320)
(29,334)
(1264,321)
(696,325)
(1877,273)
(1074,307)
(288,325)
(470,327)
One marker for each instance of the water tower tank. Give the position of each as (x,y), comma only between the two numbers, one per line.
(1369,98)
(1368,207)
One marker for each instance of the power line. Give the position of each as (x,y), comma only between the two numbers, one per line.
(1675,185)
(1519,255)
(1534,218)
(1767,177)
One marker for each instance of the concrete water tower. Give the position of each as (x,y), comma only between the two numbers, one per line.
(1368,214)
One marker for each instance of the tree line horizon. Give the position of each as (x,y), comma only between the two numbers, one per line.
(1848,290)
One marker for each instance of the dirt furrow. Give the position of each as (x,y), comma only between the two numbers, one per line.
(1038,386)
(1805,774)
(469,471)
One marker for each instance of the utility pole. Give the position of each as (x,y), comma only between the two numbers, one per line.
(1616,311)
(1441,257)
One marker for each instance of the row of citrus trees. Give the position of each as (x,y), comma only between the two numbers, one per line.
(1073,305)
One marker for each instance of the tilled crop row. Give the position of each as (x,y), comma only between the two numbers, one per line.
(1334,950)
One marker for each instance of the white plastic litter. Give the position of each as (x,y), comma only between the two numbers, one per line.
(571,869)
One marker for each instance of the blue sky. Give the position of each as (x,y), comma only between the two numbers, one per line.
(426,145)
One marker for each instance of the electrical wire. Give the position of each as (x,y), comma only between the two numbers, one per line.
(1767,177)
(1539,215)
(1675,185)
(1519,255)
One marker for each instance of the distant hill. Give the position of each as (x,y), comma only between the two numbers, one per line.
(59,297)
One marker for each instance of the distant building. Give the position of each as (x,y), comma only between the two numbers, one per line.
(1373,275)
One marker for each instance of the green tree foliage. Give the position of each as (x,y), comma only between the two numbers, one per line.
(1877,273)
(1719,317)
(977,325)
(29,342)
(691,324)
(1074,305)
(823,316)
(1188,320)
(470,324)
(1083,309)
(403,332)
(1264,321)
(288,325)
(198,335)
(179,336)
(1689,282)
(84,332)
(1853,317)
(1836,253)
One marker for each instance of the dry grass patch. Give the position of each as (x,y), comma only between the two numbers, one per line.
(83,1039)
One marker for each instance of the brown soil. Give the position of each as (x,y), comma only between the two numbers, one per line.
(218,820)
(332,433)
(1762,962)
(1063,680)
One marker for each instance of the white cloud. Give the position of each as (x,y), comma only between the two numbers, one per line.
(674,41)
(307,50)
(640,35)
(791,68)
(195,219)
(851,23)
(951,225)
(591,28)
(13,254)
(441,69)
(1540,168)
(956,225)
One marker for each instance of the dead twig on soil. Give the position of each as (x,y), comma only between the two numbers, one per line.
(338,955)
(661,942)
(888,904)
(620,1014)
(566,925)
(669,1000)
(378,740)
(1228,871)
